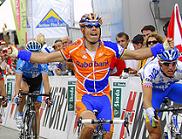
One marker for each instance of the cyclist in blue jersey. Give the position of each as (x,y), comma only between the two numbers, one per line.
(159,79)
(29,78)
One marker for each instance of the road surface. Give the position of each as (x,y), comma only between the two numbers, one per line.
(8,133)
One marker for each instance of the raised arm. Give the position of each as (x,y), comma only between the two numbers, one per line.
(148,52)
(46,57)
(137,54)
(36,57)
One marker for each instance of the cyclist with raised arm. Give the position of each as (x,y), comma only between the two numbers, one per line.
(159,79)
(91,58)
(29,78)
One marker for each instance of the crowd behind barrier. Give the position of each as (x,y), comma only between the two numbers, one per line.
(60,120)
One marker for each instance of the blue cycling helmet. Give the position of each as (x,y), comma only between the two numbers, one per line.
(33,46)
(90,19)
(169,55)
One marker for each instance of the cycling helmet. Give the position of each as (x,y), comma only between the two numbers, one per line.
(169,55)
(33,46)
(90,19)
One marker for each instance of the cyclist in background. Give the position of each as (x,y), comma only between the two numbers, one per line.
(91,58)
(29,78)
(159,79)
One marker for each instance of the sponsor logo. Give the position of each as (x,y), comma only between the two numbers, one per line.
(56,116)
(71,95)
(9,89)
(116,96)
(51,19)
(91,64)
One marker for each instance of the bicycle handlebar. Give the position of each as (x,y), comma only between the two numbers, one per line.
(169,109)
(102,121)
(93,121)
(35,93)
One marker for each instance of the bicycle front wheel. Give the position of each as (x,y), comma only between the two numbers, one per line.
(32,127)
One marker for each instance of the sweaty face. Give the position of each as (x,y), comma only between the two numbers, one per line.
(92,33)
(168,68)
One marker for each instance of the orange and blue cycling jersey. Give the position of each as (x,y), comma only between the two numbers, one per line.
(92,73)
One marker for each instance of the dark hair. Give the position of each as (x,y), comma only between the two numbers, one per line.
(148,27)
(58,40)
(138,39)
(122,34)
(165,28)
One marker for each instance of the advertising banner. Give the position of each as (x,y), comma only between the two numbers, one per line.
(49,17)
(60,119)
(19,13)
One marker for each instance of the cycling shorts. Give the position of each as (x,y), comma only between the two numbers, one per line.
(100,103)
(34,84)
(173,92)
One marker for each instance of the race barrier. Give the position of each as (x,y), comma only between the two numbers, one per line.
(59,121)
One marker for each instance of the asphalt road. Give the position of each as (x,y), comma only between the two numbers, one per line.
(7,133)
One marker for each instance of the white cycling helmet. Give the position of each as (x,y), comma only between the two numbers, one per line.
(33,46)
(169,55)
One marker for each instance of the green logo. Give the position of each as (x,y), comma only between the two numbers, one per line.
(71,95)
(9,90)
(116,96)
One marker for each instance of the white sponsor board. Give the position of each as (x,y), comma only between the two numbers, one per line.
(49,17)
(59,121)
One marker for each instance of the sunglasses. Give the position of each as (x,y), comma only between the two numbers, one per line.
(152,42)
(168,63)
(93,24)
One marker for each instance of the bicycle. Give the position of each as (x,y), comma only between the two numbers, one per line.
(99,131)
(29,130)
(171,128)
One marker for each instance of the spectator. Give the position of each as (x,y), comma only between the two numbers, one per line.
(66,41)
(6,36)
(64,67)
(46,49)
(42,40)
(147,30)
(151,40)
(123,40)
(138,42)
(57,45)
(165,27)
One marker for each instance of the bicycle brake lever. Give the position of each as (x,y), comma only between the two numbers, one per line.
(79,125)
(126,125)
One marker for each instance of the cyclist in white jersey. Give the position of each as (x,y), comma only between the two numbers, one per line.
(159,79)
